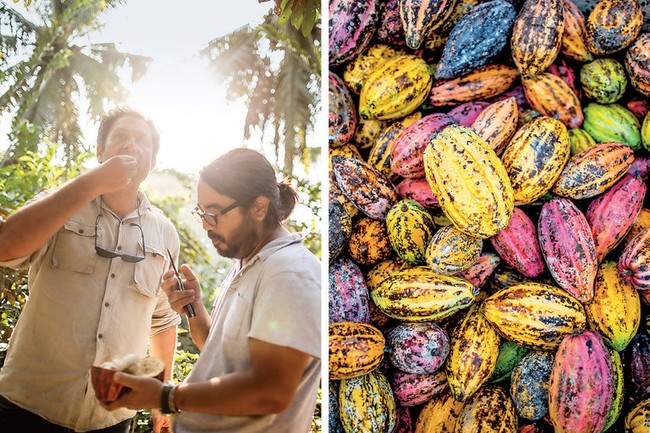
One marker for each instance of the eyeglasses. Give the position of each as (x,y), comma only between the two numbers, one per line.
(211,218)
(101,252)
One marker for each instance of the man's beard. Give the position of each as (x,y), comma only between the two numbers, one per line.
(245,240)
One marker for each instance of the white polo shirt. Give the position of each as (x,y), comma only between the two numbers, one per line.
(274,298)
(84,309)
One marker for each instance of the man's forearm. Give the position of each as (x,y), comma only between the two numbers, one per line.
(163,346)
(29,228)
(200,327)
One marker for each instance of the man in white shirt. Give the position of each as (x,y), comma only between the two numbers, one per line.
(259,368)
(96,253)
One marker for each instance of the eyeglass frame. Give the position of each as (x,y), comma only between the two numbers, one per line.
(108,254)
(203,215)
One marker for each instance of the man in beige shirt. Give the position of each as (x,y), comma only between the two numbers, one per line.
(96,251)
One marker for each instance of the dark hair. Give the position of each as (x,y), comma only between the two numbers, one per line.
(111,117)
(244,174)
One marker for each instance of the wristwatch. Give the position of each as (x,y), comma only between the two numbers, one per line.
(167,405)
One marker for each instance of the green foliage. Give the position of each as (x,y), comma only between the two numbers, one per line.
(19,182)
(275,70)
(302,14)
(45,71)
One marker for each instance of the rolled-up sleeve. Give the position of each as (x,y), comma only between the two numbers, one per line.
(163,316)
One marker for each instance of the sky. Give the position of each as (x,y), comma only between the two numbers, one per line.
(188,106)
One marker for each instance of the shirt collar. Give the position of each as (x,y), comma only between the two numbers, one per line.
(145,204)
(273,246)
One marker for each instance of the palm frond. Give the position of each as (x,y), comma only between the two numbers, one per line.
(16,31)
(294,98)
(235,61)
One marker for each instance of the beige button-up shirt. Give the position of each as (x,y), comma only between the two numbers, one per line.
(84,309)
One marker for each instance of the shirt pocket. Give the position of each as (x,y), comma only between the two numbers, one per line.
(148,272)
(74,248)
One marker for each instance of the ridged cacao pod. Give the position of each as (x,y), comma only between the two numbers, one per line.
(407,152)
(529,384)
(615,310)
(479,273)
(355,349)
(473,354)
(637,368)
(348,293)
(413,389)
(380,152)
(417,347)
(420,295)
(517,244)
(366,404)
(404,423)
(552,97)
(634,263)
(390,29)
(334,418)
(488,410)
(579,139)
(439,415)
(642,222)
(395,88)
(535,315)
(594,170)
(381,271)
(340,228)
(465,113)
(613,25)
(616,406)
(612,123)
(367,132)
(575,33)
(535,157)
(342,112)
(581,385)
(351,26)
(335,194)
(477,39)
(637,63)
(497,123)
(638,419)
(451,251)
(611,214)
(364,186)
(482,83)
(568,247)
(420,17)
(537,36)
(369,243)
(356,71)
(418,190)
(410,228)
(470,181)
(603,80)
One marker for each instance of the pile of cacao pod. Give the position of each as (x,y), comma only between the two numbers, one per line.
(489,227)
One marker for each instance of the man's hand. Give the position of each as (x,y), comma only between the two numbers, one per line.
(114,174)
(144,392)
(161,422)
(178,299)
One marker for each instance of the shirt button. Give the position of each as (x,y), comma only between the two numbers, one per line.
(106,304)
(119,248)
(112,275)
(81,231)
(100,336)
